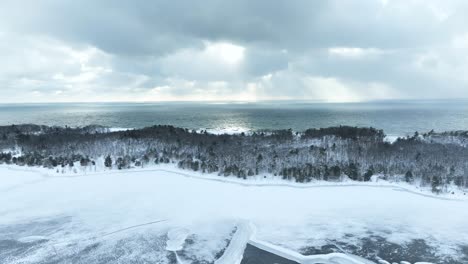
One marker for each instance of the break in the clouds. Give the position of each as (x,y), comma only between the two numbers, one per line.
(232,50)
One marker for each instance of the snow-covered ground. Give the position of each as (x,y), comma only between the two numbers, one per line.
(139,214)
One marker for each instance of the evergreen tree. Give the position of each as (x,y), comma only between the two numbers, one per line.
(108,162)
(436,184)
(353,172)
(368,174)
(409,177)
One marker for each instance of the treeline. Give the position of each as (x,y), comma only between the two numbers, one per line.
(330,154)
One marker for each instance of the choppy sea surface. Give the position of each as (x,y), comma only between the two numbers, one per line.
(395,117)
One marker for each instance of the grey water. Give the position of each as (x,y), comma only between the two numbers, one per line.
(395,117)
(373,248)
(254,255)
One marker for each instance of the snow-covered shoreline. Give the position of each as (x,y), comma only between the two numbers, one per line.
(263,179)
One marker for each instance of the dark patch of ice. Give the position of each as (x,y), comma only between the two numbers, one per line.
(36,227)
(376,248)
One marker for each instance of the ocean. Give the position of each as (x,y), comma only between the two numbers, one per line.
(397,118)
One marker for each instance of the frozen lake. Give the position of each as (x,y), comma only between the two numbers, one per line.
(126,216)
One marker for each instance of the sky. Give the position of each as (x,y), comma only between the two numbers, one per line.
(243,50)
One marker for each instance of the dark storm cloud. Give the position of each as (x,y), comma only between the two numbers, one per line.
(151,27)
(258,47)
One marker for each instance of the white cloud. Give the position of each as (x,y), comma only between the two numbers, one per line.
(460,41)
(227,52)
(384,2)
(354,52)
(215,61)
(302,86)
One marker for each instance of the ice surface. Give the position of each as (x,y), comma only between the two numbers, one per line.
(391,138)
(118,129)
(290,217)
(176,239)
(235,250)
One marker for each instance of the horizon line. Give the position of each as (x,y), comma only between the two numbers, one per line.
(312,101)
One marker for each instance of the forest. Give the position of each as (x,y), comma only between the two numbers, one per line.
(431,159)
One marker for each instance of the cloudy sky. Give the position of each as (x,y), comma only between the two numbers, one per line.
(243,50)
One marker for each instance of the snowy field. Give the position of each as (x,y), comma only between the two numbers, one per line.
(144,216)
